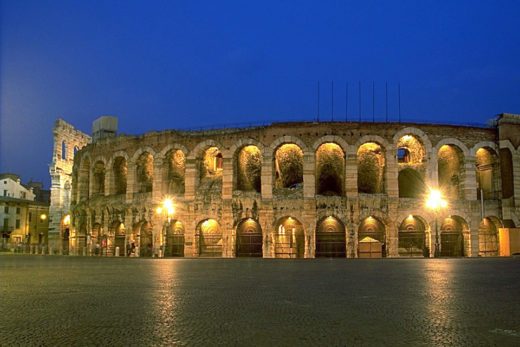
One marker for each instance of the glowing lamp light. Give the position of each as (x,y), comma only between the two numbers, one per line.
(66,220)
(435,200)
(43,216)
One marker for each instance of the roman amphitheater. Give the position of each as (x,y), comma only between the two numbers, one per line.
(286,190)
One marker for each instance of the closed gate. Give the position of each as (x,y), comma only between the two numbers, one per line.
(120,242)
(452,244)
(411,244)
(330,244)
(210,245)
(249,244)
(174,245)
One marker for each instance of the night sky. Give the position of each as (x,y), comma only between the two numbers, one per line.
(186,64)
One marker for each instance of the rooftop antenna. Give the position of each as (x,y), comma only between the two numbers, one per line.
(360,101)
(332,99)
(373,101)
(386,97)
(399,98)
(318,101)
(346,102)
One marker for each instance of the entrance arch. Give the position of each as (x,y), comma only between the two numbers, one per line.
(412,240)
(119,241)
(174,239)
(289,238)
(371,238)
(210,238)
(145,240)
(488,237)
(249,238)
(452,239)
(330,238)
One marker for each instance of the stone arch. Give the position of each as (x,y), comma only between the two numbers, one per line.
(371,166)
(142,150)
(411,184)
(98,175)
(144,172)
(330,169)
(452,230)
(288,166)
(249,238)
(168,148)
(371,238)
(199,149)
(412,240)
(173,170)
(482,144)
(451,170)
(488,236)
(287,139)
(417,132)
(372,138)
(289,238)
(247,156)
(330,139)
(506,152)
(487,170)
(175,239)
(118,166)
(209,235)
(452,141)
(330,238)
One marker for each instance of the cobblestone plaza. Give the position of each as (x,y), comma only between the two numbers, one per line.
(51,301)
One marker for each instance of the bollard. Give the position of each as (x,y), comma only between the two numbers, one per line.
(117,251)
(160,253)
(84,251)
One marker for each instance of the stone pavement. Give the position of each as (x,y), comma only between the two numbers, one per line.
(50,301)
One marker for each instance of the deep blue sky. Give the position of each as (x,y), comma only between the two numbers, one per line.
(180,64)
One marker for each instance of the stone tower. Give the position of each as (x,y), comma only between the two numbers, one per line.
(67,141)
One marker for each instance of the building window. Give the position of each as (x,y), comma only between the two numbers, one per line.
(403,155)
(5,192)
(17,224)
(18,210)
(22,195)
(6,209)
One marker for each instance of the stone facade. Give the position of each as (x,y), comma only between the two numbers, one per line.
(67,142)
(290,190)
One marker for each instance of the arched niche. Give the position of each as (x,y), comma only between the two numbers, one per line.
(452,238)
(371,168)
(330,238)
(488,237)
(249,238)
(289,238)
(288,166)
(145,239)
(210,238)
(174,239)
(451,171)
(330,169)
(144,173)
(174,172)
(488,179)
(98,176)
(248,168)
(119,175)
(412,237)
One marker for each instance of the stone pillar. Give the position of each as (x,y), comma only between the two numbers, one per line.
(191,179)
(130,181)
(227,178)
(157,188)
(474,231)
(266,217)
(470,184)
(351,173)
(309,221)
(267,177)
(309,176)
(392,170)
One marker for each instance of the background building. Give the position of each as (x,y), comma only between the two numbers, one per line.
(23,214)
(292,190)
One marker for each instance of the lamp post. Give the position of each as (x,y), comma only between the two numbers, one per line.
(167,210)
(436,202)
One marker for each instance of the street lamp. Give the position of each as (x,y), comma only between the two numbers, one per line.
(436,202)
(167,210)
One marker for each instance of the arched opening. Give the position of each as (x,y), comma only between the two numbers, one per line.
(144,173)
(248,166)
(506,168)
(210,173)
(330,169)
(174,168)
(412,167)
(371,238)
(371,168)
(249,238)
(76,149)
(488,237)
(289,238)
(330,238)
(411,184)
(174,239)
(120,171)
(452,239)
(99,179)
(63,150)
(288,167)
(145,240)
(487,175)
(210,238)
(412,240)
(118,230)
(84,179)
(451,171)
